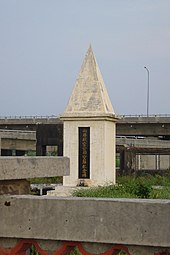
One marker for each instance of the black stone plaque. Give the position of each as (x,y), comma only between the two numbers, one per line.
(84,152)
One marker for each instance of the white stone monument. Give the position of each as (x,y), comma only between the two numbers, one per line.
(89,129)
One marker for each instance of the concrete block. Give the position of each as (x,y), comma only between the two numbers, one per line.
(31,167)
(14,187)
(119,221)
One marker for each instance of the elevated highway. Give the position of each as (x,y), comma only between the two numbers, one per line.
(18,133)
(27,122)
(153,125)
(145,143)
(17,140)
(26,140)
(147,154)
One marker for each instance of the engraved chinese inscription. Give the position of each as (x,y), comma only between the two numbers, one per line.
(84,152)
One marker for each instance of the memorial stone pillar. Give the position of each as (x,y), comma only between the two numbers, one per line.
(89,129)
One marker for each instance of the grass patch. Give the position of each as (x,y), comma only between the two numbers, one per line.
(105,192)
(131,187)
(163,193)
(156,180)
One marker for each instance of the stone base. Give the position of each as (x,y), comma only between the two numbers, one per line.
(67,182)
(64,191)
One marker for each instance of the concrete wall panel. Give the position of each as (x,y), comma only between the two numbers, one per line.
(30,167)
(121,221)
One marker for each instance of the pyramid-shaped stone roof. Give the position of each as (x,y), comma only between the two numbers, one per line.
(89,96)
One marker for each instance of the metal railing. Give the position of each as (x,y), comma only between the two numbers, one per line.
(57,116)
(30,117)
(143,115)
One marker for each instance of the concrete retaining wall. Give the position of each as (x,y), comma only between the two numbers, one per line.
(120,221)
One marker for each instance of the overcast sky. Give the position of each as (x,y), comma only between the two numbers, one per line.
(43,44)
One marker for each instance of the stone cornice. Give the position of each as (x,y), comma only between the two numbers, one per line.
(89,117)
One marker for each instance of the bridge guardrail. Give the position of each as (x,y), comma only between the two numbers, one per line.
(30,117)
(142,115)
(57,116)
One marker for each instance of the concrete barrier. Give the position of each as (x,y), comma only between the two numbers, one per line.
(31,167)
(15,170)
(56,225)
(110,221)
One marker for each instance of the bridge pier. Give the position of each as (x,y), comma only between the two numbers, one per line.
(127,162)
(49,135)
(40,150)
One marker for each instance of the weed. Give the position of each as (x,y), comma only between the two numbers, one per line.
(131,187)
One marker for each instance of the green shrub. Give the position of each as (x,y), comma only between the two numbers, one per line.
(142,190)
(131,187)
(138,187)
(161,193)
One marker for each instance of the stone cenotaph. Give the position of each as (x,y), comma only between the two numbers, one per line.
(89,129)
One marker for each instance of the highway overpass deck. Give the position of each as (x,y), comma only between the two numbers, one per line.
(142,125)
